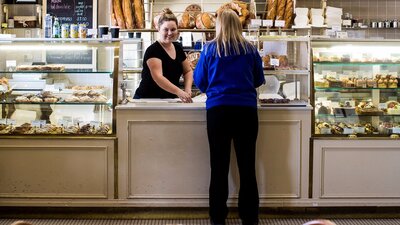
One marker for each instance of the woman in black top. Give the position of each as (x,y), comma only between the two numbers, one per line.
(164,63)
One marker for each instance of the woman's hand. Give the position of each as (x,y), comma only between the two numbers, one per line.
(184,96)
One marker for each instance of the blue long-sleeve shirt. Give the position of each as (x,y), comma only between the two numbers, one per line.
(229,80)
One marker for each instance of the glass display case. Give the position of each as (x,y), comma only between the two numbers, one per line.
(58,86)
(286,65)
(356,87)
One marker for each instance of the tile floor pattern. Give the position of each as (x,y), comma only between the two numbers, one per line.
(195,222)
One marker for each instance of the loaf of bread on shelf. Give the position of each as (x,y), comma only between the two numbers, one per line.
(241,8)
(119,15)
(283,61)
(280,10)
(128,14)
(113,19)
(187,21)
(272,7)
(138,8)
(193,8)
(48,67)
(289,8)
(266,60)
(205,21)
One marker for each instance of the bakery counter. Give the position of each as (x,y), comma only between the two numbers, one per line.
(163,156)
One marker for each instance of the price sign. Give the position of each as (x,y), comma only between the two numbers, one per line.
(279,23)
(256,22)
(274,62)
(38,123)
(267,23)
(396,130)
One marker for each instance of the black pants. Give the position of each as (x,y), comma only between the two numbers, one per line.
(240,124)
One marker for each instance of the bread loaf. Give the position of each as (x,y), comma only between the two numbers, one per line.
(138,7)
(113,19)
(128,14)
(280,12)
(119,16)
(193,8)
(271,13)
(187,21)
(205,21)
(239,7)
(289,13)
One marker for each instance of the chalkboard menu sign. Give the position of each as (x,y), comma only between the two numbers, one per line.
(74,11)
(69,57)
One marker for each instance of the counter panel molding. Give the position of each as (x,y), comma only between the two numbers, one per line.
(359,170)
(63,169)
(279,162)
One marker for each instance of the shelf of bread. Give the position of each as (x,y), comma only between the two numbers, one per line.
(359,129)
(279,71)
(334,110)
(29,69)
(77,97)
(92,128)
(379,81)
(286,38)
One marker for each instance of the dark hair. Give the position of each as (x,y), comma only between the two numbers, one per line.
(167,15)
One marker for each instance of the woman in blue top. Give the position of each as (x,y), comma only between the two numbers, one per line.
(229,71)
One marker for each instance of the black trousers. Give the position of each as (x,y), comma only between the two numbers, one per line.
(240,124)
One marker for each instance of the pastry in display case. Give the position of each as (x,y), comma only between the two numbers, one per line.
(57,86)
(286,67)
(356,87)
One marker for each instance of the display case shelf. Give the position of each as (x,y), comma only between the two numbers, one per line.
(282,72)
(67,71)
(56,103)
(357,63)
(328,116)
(355,89)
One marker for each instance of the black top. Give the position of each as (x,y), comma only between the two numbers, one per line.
(171,68)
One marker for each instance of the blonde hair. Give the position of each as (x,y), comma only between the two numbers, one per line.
(167,15)
(229,39)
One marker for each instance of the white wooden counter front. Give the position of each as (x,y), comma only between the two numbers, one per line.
(163,155)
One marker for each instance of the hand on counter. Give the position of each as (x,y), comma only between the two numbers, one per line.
(185,96)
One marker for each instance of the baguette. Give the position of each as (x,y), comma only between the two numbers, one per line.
(280,12)
(289,13)
(113,19)
(138,6)
(271,14)
(128,14)
(119,16)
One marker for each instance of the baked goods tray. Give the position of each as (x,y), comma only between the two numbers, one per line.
(294,104)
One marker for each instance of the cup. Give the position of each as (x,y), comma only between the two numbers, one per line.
(138,35)
(114,32)
(130,34)
(103,30)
